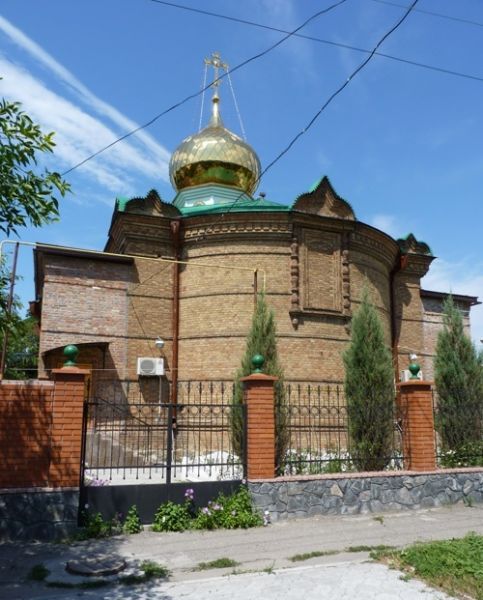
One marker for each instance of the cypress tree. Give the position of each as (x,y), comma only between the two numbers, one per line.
(369,390)
(459,383)
(262,339)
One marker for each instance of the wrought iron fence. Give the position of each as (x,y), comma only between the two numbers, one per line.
(160,442)
(316,426)
(458,432)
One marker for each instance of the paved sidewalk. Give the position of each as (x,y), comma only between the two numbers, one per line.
(255,549)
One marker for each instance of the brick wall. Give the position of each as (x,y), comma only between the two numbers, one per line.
(85,301)
(129,306)
(25,433)
(41,431)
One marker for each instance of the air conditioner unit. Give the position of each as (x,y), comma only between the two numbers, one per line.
(406,375)
(150,366)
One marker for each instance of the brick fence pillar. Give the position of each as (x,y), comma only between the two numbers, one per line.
(416,404)
(259,398)
(67,415)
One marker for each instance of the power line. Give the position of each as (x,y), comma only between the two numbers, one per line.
(344,85)
(431,13)
(327,102)
(196,94)
(327,42)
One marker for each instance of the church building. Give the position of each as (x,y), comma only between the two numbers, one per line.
(177,280)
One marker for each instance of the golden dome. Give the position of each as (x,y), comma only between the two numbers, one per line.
(215,155)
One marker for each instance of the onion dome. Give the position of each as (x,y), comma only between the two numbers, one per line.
(215,155)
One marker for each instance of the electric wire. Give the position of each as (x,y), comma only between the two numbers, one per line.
(407,61)
(321,109)
(198,93)
(431,13)
(236,107)
(203,88)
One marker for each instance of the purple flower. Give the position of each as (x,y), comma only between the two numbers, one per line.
(216,507)
(206,511)
(189,494)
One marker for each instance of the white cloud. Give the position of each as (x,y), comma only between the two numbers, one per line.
(387,223)
(283,15)
(78,133)
(463,277)
(101,107)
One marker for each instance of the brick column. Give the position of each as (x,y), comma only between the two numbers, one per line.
(416,404)
(67,411)
(259,398)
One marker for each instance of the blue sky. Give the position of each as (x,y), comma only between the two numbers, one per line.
(404,145)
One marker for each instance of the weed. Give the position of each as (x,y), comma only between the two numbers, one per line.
(314,554)
(219,563)
(378,551)
(132,524)
(406,577)
(239,572)
(228,512)
(96,527)
(379,519)
(172,517)
(468,501)
(269,570)
(38,573)
(153,570)
(453,565)
(362,548)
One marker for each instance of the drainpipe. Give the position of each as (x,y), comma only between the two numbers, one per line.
(175,231)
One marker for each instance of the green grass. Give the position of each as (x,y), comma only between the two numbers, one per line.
(455,566)
(38,573)
(314,554)
(153,570)
(269,570)
(362,548)
(219,563)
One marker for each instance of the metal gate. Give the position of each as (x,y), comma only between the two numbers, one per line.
(143,452)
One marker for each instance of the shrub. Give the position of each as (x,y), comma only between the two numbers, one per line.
(172,517)
(132,523)
(96,527)
(262,339)
(228,512)
(459,382)
(369,390)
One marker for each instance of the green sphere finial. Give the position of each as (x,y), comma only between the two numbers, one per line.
(414,367)
(257,362)
(70,353)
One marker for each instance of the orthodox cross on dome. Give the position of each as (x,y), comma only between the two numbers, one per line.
(216,62)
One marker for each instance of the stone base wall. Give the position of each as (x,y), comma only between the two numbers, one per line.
(44,514)
(292,497)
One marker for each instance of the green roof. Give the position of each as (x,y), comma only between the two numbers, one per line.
(121,202)
(216,198)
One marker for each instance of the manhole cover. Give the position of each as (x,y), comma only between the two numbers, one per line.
(95,566)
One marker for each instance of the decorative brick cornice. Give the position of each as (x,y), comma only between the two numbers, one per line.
(197,232)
